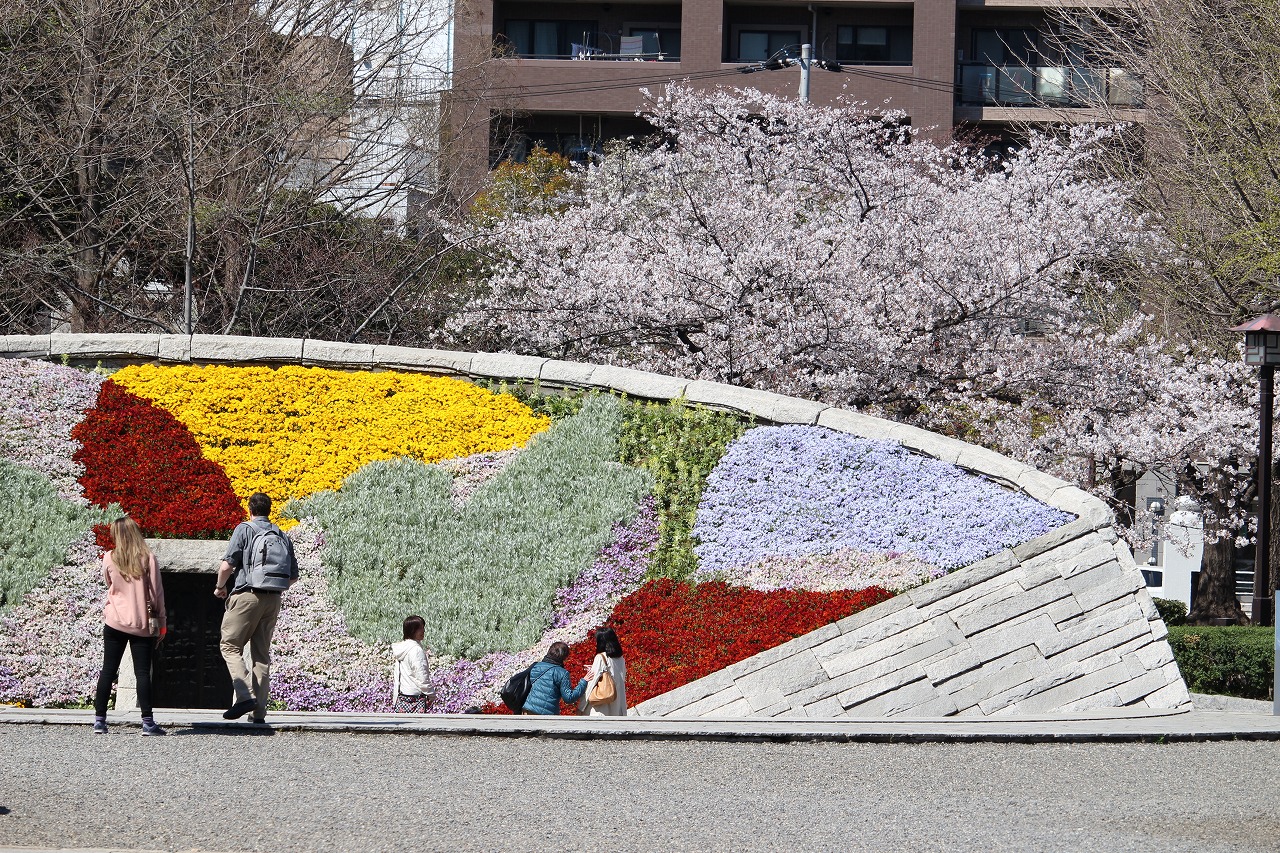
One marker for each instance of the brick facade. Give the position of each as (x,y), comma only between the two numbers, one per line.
(547,90)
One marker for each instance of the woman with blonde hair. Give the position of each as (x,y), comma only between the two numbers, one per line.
(134,615)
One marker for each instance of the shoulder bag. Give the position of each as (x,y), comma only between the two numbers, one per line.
(603,691)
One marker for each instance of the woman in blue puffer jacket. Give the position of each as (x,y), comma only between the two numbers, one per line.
(551,683)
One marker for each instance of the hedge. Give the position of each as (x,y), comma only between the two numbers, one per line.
(1233,660)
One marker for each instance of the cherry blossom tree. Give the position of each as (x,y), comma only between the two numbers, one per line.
(816,250)
(828,252)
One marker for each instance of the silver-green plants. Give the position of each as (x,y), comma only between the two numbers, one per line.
(483,575)
(36,528)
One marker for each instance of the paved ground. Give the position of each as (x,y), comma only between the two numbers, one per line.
(226,789)
(1110,724)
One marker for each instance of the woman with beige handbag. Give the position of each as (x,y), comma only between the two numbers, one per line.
(607,694)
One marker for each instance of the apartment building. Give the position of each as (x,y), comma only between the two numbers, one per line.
(570,71)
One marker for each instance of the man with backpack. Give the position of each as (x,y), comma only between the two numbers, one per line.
(259,565)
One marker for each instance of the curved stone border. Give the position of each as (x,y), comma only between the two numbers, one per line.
(764,405)
(1062,622)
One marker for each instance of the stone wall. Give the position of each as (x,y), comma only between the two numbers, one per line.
(1060,623)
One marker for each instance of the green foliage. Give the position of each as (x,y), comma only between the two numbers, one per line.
(555,406)
(678,444)
(36,529)
(483,576)
(1172,611)
(524,189)
(1234,660)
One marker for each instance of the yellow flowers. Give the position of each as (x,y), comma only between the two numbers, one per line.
(294,431)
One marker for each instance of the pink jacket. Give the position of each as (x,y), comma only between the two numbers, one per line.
(126,608)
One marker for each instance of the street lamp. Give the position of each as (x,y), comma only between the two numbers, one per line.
(1262,347)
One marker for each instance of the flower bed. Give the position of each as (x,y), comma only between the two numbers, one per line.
(40,403)
(483,575)
(51,640)
(586,603)
(764,502)
(37,528)
(143,458)
(316,663)
(419,495)
(296,431)
(843,569)
(674,632)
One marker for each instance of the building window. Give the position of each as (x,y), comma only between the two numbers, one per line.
(549,39)
(874,45)
(1006,47)
(658,40)
(756,44)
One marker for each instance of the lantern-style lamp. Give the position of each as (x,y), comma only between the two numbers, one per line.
(1261,340)
(1262,347)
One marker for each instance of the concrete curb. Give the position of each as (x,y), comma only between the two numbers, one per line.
(1233,704)
(1115,727)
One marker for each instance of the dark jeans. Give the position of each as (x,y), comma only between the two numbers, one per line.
(113,643)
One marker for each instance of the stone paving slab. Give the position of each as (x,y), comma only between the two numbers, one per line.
(1101,725)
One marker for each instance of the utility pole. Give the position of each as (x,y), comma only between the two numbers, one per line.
(806,61)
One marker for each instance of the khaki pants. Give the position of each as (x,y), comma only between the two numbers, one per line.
(250,618)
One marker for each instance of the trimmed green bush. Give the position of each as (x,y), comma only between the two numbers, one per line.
(678,444)
(1233,660)
(36,528)
(1172,611)
(483,576)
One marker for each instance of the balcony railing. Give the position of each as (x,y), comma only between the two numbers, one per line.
(1047,85)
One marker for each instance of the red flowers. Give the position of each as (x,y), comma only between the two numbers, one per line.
(143,458)
(674,633)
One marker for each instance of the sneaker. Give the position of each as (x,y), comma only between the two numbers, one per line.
(239,709)
(152,729)
(259,721)
(99,727)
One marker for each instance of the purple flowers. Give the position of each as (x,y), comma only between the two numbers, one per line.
(39,404)
(51,641)
(794,491)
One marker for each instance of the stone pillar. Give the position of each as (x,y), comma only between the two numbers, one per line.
(126,685)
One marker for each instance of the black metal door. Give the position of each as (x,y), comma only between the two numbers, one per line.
(189,671)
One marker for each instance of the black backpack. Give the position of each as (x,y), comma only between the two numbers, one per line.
(516,690)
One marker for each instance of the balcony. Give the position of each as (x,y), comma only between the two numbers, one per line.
(982,84)
(630,33)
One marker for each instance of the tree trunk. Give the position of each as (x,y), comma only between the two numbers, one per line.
(1215,591)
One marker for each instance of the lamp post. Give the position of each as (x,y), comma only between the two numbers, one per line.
(1262,347)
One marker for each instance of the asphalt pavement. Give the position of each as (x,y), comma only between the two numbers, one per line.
(235,788)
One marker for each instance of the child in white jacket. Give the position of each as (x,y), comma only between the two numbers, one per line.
(411,675)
